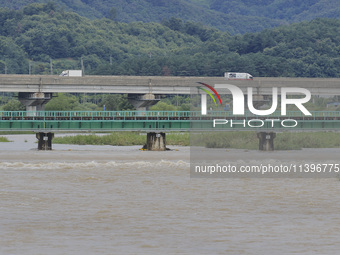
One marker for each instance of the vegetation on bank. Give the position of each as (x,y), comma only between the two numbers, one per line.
(233,140)
(73,102)
(4,140)
(121,139)
(117,102)
(17,133)
(283,141)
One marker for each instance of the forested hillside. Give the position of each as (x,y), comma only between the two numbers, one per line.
(233,16)
(38,33)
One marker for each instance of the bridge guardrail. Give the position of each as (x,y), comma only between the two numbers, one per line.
(196,114)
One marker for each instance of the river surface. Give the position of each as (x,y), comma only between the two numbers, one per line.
(121,200)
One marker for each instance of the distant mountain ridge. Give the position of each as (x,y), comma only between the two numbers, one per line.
(40,34)
(234,16)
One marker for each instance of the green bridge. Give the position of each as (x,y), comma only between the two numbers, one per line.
(155,123)
(52,121)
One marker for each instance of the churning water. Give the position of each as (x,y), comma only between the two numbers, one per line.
(120,200)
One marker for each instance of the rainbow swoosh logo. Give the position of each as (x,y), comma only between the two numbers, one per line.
(209,93)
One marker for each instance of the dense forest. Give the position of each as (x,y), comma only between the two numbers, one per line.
(40,34)
(233,16)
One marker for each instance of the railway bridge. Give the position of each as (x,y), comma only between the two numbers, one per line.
(157,123)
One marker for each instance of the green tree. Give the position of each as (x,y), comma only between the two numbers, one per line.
(63,102)
(116,102)
(13,105)
(113,13)
(162,106)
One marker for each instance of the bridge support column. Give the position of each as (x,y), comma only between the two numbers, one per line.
(44,140)
(266,141)
(143,102)
(258,101)
(34,101)
(155,141)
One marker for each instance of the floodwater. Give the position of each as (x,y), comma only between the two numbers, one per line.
(120,200)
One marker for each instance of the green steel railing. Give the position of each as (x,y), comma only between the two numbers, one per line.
(122,114)
(103,114)
(154,120)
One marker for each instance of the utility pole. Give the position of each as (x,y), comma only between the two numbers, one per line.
(110,60)
(83,73)
(51,66)
(5,68)
(30,67)
(82,66)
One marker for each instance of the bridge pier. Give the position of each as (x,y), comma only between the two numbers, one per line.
(258,101)
(155,141)
(266,141)
(44,140)
(34,101)
(143,102)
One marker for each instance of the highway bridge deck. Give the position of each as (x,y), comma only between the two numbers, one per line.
(156,84)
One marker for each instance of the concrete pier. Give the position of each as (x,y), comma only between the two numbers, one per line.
(155,141)
(44,140)
(34,101)
(266,141)
(143,102)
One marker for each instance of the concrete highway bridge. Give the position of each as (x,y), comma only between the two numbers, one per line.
(155,84)
(144,91)
(35,90)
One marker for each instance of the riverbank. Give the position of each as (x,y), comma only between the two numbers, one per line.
(230,140)
(4,140)
(121,139)
(233,140)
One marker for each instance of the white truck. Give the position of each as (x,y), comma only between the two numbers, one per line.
(238,76)
(73,73)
